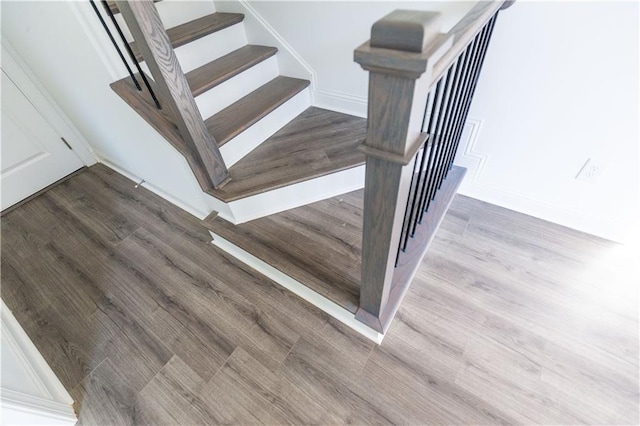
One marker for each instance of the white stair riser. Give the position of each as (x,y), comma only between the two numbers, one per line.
(214,100)
(248,140)
(295,195)
(174,12)
(206,49)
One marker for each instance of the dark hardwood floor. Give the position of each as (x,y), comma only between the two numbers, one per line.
(509,320)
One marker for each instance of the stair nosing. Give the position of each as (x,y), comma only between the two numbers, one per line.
(178,42)
(267,53)
(221,141)
(256,192)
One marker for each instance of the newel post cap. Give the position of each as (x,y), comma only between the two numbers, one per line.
(403,43)
(405,30)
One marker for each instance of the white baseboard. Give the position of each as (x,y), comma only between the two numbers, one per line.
(340,102)
(200,214)
(473,186)
(571,219)
(297,288)
(47,402)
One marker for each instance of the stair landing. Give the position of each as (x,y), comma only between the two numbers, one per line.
(315,143)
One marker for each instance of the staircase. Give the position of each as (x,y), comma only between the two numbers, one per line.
(270,137)
(284,172)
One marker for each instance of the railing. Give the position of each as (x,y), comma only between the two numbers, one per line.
(421,85)
(170,89)
(127,47)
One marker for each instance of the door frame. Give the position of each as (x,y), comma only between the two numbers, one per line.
(36,93)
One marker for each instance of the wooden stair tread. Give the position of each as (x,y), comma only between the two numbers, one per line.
(319,244)
(316,143)
(198,28)
(216,72)
(242,114)
(114,7)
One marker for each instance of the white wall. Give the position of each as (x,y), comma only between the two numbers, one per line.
(560,85)
(51,42)
(325,35)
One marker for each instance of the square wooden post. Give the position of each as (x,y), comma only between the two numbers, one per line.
(404,47)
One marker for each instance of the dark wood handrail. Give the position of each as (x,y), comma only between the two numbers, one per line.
(465,31)
(173,89)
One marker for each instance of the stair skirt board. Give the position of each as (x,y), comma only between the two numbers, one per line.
(296,287)
(218,98)
(262,130)
(296,195)
(190,56)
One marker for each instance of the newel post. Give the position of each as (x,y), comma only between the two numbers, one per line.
(404,46)
(148,31)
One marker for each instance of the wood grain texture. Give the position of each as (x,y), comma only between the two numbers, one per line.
(172,87)
(394,122)
(220,70)
(409,260)
(385,197)
(315,143)
(510,320)
(318,245)
(114,6)
(247,111)
(405,30)
(193,30)
(464,32)
(143,104)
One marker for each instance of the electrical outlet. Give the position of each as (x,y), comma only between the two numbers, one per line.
(590,171)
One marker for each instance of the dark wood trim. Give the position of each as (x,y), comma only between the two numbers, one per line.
(409,261)
(142,103)
(114,7)
(464,32)
(395,158)
(196,29)
(396,98)
(405,55)
(42,191)
(172,86)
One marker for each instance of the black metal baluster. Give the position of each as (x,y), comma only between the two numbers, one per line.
(487,40)
(126,64)
(404,235)
(445,115)
(454,104)
(451,74)
(474,49)
(131,55)
(467,59)
(438,99)
(480,41)
(419,180)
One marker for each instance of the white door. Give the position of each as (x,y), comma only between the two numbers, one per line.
(32,154)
